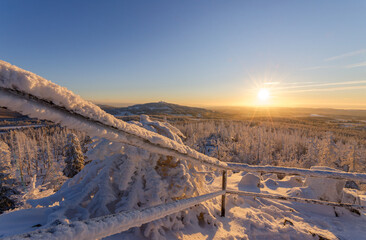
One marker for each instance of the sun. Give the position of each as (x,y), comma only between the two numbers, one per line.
(263,94)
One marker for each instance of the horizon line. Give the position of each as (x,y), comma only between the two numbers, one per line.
(121,105)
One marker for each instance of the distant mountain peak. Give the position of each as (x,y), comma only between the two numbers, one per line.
(158,108)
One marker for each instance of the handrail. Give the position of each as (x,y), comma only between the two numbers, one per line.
(298,171)
(296,199)
(97,228)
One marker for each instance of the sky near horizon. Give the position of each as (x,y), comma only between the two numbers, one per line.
(200,53)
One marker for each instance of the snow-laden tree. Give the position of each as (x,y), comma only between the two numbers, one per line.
(351,158)
(18,154)
(74,156)
(41,152)
(7,190)
(122,178)
(328,152)
(311,156)
(6,171)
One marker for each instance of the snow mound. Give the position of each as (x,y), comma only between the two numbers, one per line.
(325,188)
(249,182)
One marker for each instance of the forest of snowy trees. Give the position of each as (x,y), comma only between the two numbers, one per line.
(37,156)
(39,151)
(265,144)
(48,156)
(44,151)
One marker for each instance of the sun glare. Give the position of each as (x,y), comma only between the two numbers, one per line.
(263,94)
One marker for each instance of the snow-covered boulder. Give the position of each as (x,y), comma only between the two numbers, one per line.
(249,182)
(351,196)
(272,176)
(292,181)
(326,189)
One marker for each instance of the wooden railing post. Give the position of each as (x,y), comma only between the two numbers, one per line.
(223,197)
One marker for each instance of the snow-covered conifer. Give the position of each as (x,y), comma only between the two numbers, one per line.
(74,156)
(5,164)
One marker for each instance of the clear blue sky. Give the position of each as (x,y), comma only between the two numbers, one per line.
(193,52)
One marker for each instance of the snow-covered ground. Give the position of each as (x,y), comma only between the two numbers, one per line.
(246,217)
(256,218)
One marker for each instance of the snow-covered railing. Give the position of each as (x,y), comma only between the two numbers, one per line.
(298,171)
(296,199)
(32,95)
(97,228)
(340,175)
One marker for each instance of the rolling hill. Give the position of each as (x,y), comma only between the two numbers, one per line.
(159,108)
